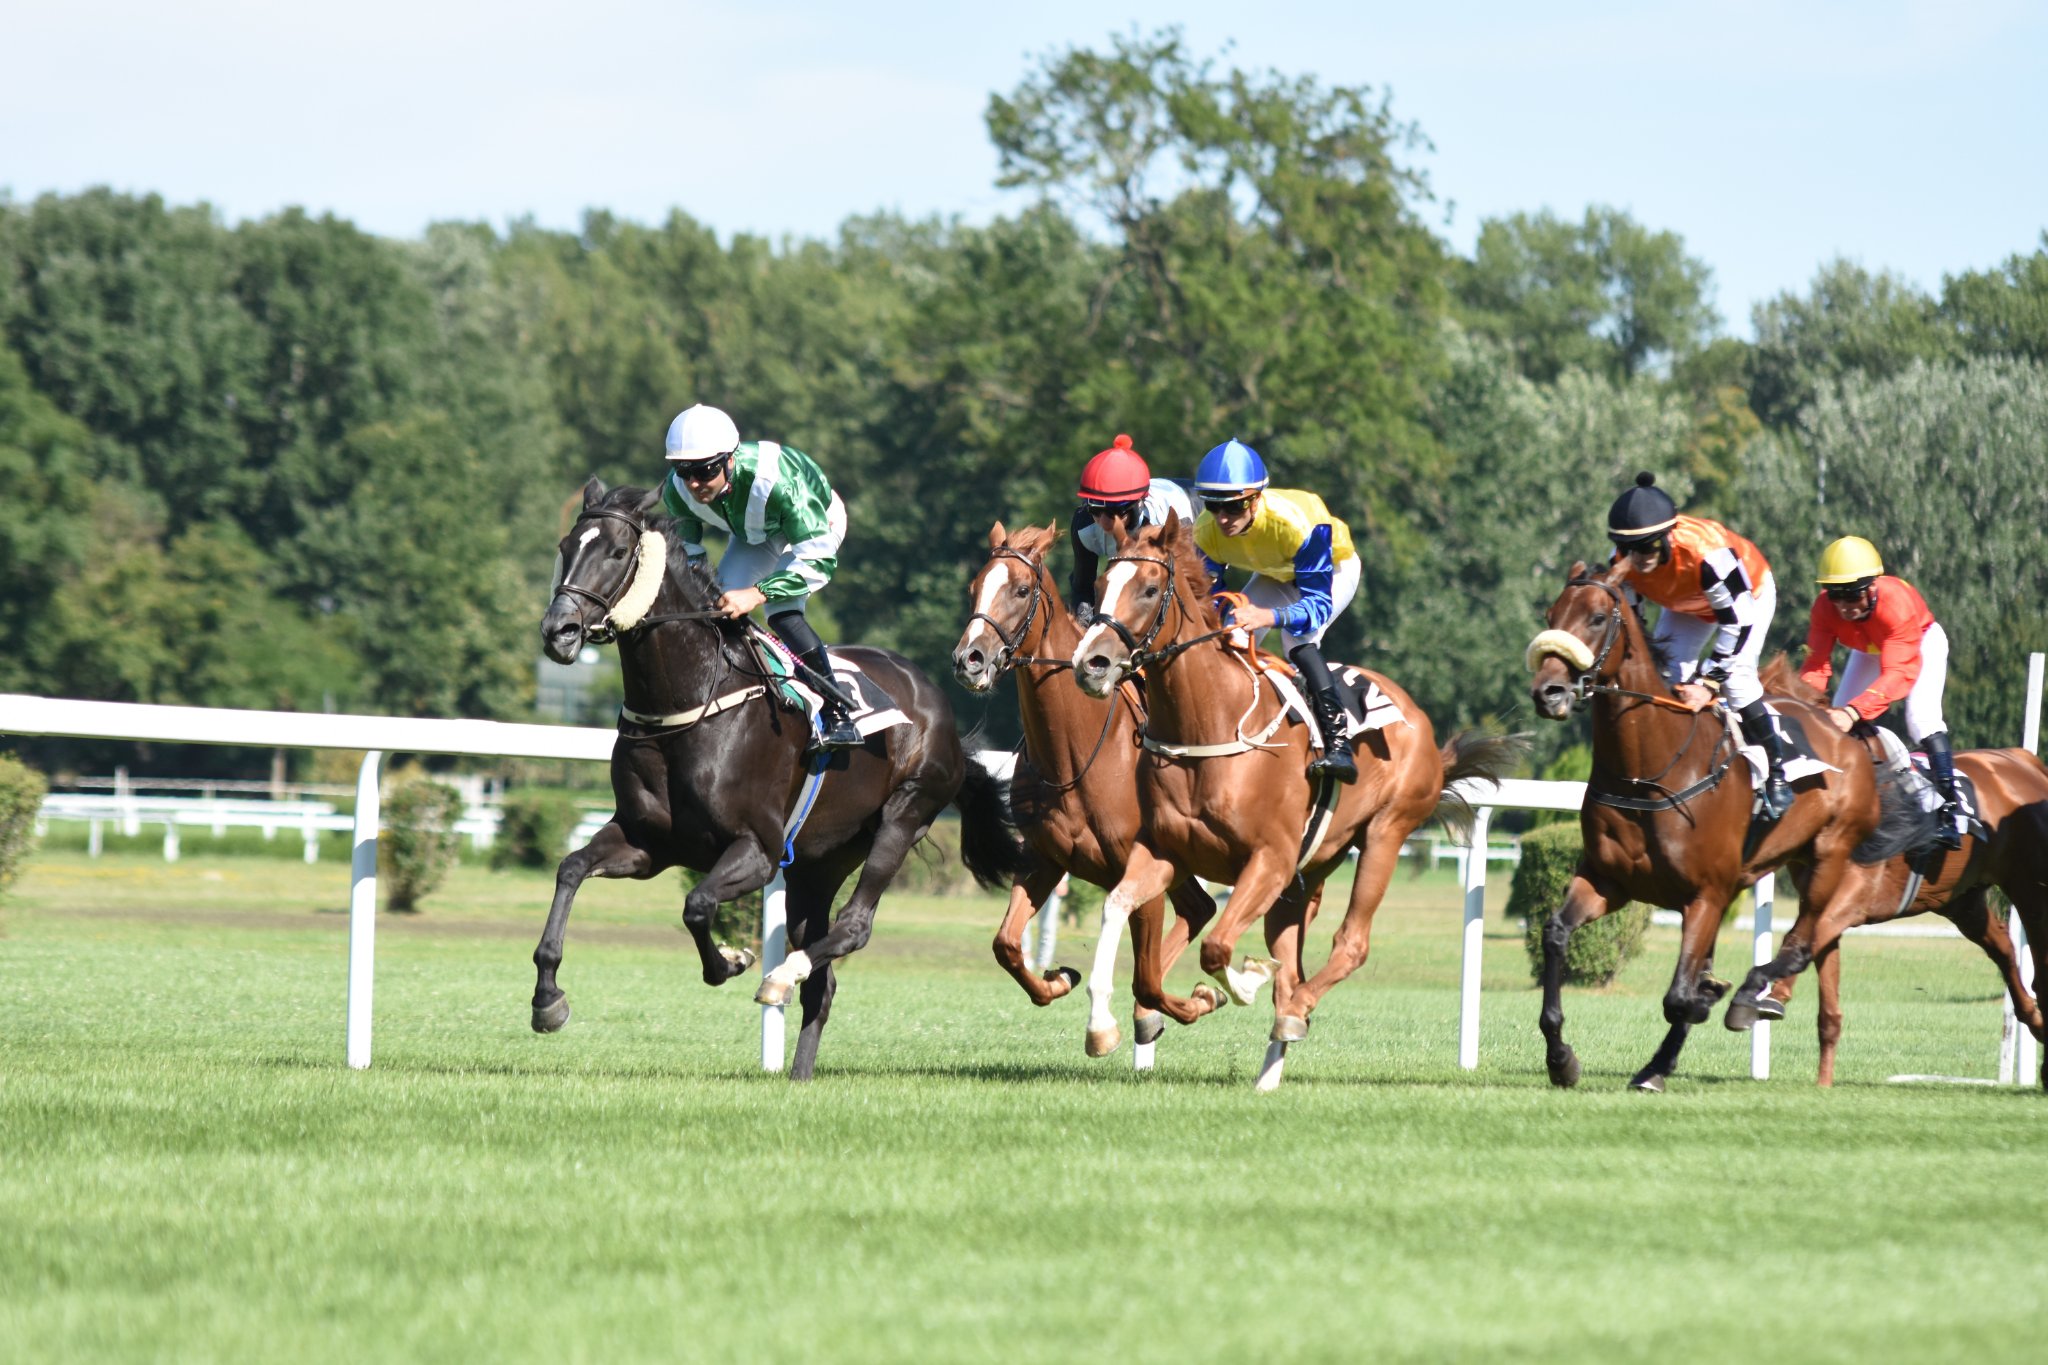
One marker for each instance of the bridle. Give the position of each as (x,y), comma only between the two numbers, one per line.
(1141,651)
(1585,688)
(1008,657)
(604,632)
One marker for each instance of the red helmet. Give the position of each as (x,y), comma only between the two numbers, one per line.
(1116,476)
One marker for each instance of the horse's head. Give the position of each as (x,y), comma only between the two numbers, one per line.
(1140,601)
(1584,624)
(612,568)
(1010,597)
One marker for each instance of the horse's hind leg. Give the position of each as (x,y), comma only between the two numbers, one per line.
(1377,859)
(1827,967)
(810,916)
(906,815)
(1971,913)
(606,855)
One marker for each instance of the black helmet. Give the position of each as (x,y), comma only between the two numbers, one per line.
(1642,514)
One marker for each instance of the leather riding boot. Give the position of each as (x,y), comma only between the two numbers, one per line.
(1941,766)
(836,715)
(1757,729)
(1336,759)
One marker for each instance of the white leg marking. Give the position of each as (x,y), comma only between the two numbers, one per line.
(1244,982)
(1269,1070)
(1116,909)
(1141,1056)
(794,969)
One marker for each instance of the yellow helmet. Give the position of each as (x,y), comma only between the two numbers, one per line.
(1849,560)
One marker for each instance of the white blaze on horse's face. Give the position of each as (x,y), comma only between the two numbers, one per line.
(1100,683)
(993,584)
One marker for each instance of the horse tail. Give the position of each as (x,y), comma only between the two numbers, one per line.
(1902,826)
(1483,753)
(990,846)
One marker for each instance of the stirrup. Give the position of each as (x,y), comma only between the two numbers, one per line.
(1776,796)
(1945,832)
(1336,761)
(839,733)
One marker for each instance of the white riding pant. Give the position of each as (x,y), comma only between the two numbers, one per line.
(1274,595)
(1923,702)
(745,565)
(1680,640)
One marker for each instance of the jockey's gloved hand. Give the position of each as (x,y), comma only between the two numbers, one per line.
(1084,612)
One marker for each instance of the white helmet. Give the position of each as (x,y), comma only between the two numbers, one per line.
(701,433)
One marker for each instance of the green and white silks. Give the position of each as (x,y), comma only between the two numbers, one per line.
(785,522)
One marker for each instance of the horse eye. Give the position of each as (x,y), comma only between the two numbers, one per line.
(1020,592)
(1599,618)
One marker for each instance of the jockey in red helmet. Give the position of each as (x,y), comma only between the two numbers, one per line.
(1117,485)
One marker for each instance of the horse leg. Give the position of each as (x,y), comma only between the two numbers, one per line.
(1827,966)
(816,992)
(1146,877)
(1286,936)
(1584,902)
(744,867)
(1829,903)
(906,815)
(1193,908)
(606,855)
(1027,894)
(1377,860)
(1689,998)
(1971,913)
(1264,877)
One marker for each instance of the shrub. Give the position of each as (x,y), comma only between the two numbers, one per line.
(533,830)
(21,796)
(1597,950)
(417,843)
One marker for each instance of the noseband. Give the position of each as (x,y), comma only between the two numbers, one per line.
(1009,656)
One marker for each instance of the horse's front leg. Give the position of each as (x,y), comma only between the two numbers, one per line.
(1692,993)
(1028,895)
(1584,902)
(1146,878)
(606,855)
(744,867)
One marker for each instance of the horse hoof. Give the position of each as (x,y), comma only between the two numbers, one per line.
(1243,982)
(1066,974)
(1647,1083)
(1740,1016)
(551,1016)
(1713,987)
(1564,1071)
(1289,1028)
(1147,1027)
(1103,1041)
(1770,1006)
(773,992)
(1207,996)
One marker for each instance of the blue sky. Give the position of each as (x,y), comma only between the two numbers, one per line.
(1771,136)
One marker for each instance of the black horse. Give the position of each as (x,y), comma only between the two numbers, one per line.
(709,774)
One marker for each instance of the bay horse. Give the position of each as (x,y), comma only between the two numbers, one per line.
(1074,793)
(2012,801)
(1667,812)
(710,773)
(1237,810)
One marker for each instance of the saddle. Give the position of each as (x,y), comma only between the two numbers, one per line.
(1803,762)
(877,710)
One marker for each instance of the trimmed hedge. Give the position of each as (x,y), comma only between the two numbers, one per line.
(21,796)
(417,843)
(1597,951)
(198,841)
(534,829)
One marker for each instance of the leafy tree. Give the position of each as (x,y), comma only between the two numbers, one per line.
(1850,322)
(2002,311)
(45,527)
(1605,295)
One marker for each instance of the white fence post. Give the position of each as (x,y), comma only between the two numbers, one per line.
(362,913)
(1761,896)
(774,948)
(2018,1054)
(1475,939)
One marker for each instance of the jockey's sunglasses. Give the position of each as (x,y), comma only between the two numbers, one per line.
(1112,509)
(1847,592)
(1227,506)
(700,470)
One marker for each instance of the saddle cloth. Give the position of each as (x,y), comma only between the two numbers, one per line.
(877,710)
(1790,728)
(1366,707)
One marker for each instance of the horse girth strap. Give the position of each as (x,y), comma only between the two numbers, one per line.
(1240,745)
(1648,803)
(683,720)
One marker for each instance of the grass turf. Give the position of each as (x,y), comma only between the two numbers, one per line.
(187,1170)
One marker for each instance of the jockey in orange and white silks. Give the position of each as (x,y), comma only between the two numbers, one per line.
(785,525)
(1715,588)
(1117,485)
(1304,572)
(1897,652)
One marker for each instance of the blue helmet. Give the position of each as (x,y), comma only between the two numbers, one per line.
(1232,467)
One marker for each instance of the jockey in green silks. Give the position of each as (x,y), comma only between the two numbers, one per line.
(785,524)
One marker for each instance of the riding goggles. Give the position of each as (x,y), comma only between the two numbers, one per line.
(695,471)
(1228,506)
(1849,592)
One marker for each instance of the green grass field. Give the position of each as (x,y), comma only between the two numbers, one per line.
(188,1171)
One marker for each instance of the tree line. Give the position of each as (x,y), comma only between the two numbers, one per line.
(287,463)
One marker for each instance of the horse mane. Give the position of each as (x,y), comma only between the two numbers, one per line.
(1032,540)
(1780,677)
(699,586)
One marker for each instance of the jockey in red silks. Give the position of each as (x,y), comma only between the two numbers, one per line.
(1117,485)
(1304,573)
(1711,584)
(1897,651)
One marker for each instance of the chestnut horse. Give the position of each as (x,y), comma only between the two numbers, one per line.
(1236,809)
(1075,792)
(2012,801)
(1667,812)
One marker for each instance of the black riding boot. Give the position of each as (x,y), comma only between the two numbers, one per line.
(835,715)
(1941,766)
(1758,730)
(1335,760)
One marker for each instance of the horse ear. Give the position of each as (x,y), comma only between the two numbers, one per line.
(593,491)
(1054,531)
(651,502)
(1576,571)
(996,536)
(1173,524)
